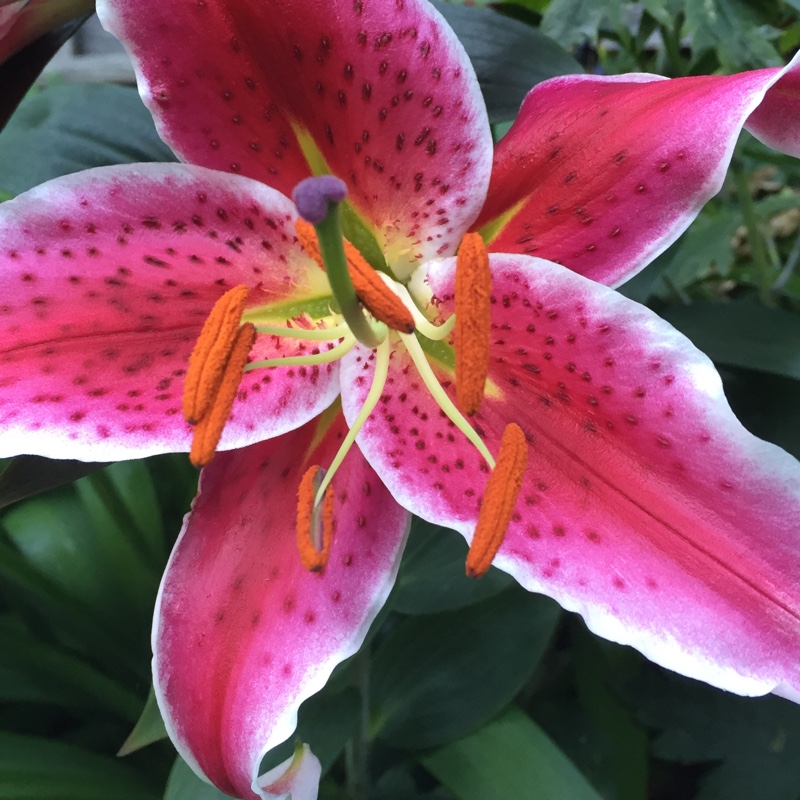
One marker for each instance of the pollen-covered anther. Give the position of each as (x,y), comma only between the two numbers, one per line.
(372,292)
(211,354)
(208,431)
(499,499)
(314,521)
(473,291)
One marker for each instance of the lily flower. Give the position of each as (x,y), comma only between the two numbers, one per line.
(589,442)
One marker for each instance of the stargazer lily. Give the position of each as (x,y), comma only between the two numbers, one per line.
(601,460)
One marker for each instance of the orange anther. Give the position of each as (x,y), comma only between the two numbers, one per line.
(373,293)
(208,431)
(307,237)
(314,525)
(473,319)
(211,353)
(502,488)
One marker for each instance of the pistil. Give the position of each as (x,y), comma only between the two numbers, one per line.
(317,200)
(499,498)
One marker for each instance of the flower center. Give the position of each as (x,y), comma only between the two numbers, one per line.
(378,312)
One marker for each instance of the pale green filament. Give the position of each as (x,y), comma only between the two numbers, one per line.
(378,382)
(421,322)
(311,334)
(326,357)
(439,394)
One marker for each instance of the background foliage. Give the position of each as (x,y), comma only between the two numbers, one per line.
(465,690)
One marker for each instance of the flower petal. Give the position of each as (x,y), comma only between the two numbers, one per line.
(383,93)
(646,506)
(243,632)
(601,174)
(297,778)
(106,278)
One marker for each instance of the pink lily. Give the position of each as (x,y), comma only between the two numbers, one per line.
(646,507)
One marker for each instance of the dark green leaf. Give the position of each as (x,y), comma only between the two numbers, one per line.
(432,576)
(509,57)
(26,476)
(768,405)
(34,671)
(38,769)
(71,128)
(325,722)
(149,728)
(757,740)
(436,678)
(511,757)
(742,334)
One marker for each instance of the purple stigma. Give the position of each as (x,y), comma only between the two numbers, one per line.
(313,197)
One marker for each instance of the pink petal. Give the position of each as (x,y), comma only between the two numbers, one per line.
(106,278)
(385,90)
(297,778)
(646,506)
(243,632)
(604,173)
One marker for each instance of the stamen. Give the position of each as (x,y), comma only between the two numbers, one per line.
(314,522)
(430,331)
(373,396)
(440,396)
(211,353)
(473,319)
(310,334)
(501,493)
(208,431)
(325,357)
(372,292)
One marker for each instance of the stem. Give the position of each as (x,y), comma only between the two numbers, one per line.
(329,234)
(758,249)
(358,748)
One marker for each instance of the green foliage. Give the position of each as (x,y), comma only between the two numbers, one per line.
(506,758)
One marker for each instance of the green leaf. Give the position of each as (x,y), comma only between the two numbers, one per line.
(756,740)
(509,57)
(325,722)
(438,677)
(183,784)
(768,405)
(40,769)
(75,127)
(33,671)
(511,757)
(571,22)
(27,476)
(149,728)
(742,334)
(432,575)
(733,29)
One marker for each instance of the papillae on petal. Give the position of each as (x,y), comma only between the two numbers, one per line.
(646,506)
(602,173)
(243,632)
